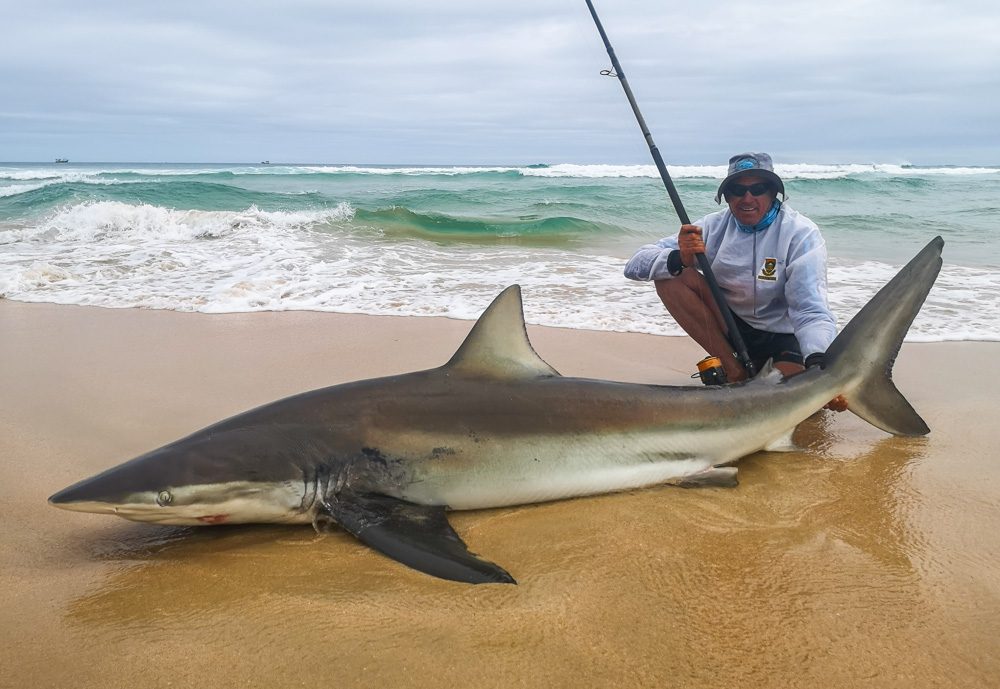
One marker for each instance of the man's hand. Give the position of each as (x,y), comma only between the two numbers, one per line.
(689,242)
(838,403)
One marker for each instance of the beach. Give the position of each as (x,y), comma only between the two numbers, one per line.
(859,559)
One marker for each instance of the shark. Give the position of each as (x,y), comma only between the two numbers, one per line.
(385,459)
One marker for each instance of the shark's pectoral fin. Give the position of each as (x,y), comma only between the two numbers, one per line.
(418,536)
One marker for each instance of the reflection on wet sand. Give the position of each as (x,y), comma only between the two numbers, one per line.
(875,494)
(183,571)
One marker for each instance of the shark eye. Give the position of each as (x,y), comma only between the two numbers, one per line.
(164,498)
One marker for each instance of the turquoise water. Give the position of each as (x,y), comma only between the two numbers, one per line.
(443,240)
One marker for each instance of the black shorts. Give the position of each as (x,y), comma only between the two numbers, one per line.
(763,345)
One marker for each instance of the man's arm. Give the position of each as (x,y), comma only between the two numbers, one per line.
(650,261)
(806,295)
(668,257)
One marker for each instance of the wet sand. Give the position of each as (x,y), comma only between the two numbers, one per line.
(861,560)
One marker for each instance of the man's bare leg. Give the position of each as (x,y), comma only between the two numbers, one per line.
(689,300)
(788,369)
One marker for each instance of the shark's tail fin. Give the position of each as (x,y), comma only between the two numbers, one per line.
(870,342)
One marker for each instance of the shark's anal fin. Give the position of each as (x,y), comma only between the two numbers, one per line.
(718,476)
(419,536)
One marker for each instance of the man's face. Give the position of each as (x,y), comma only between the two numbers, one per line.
(749,209)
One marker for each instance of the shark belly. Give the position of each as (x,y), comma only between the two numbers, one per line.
(501,472)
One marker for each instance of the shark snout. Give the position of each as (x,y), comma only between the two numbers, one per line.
(81,497)
(85,506)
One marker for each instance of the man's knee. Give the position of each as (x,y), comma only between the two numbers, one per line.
(664,288)
(671,292)
(670,289)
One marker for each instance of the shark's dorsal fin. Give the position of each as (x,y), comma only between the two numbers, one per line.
(498,346)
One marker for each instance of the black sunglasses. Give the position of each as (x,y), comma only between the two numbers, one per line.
(738,190)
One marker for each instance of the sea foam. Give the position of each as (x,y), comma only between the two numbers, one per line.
(119,255)
(444,240)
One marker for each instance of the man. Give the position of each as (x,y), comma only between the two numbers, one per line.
(769,261)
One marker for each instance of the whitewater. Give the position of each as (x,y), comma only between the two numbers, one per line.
(443,241)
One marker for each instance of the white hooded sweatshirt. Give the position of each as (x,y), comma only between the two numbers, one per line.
(774,279)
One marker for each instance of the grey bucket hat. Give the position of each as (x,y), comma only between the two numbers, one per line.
(757,163)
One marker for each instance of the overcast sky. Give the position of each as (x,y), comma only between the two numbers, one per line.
(504,81)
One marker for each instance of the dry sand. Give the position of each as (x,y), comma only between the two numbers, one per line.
(861,560)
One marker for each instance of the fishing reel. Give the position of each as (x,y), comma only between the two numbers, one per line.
(711,372)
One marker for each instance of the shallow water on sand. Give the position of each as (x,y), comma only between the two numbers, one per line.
(859,560)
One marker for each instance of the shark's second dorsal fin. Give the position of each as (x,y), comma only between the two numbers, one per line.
(498,346)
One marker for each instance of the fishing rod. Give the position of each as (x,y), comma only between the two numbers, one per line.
(735,338)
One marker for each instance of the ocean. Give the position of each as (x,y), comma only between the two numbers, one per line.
(444,240)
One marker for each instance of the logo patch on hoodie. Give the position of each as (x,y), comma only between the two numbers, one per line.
(767,269)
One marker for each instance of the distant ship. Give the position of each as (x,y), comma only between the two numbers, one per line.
(62,160)
(265,162)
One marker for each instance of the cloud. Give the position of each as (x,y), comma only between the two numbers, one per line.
(457,82)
